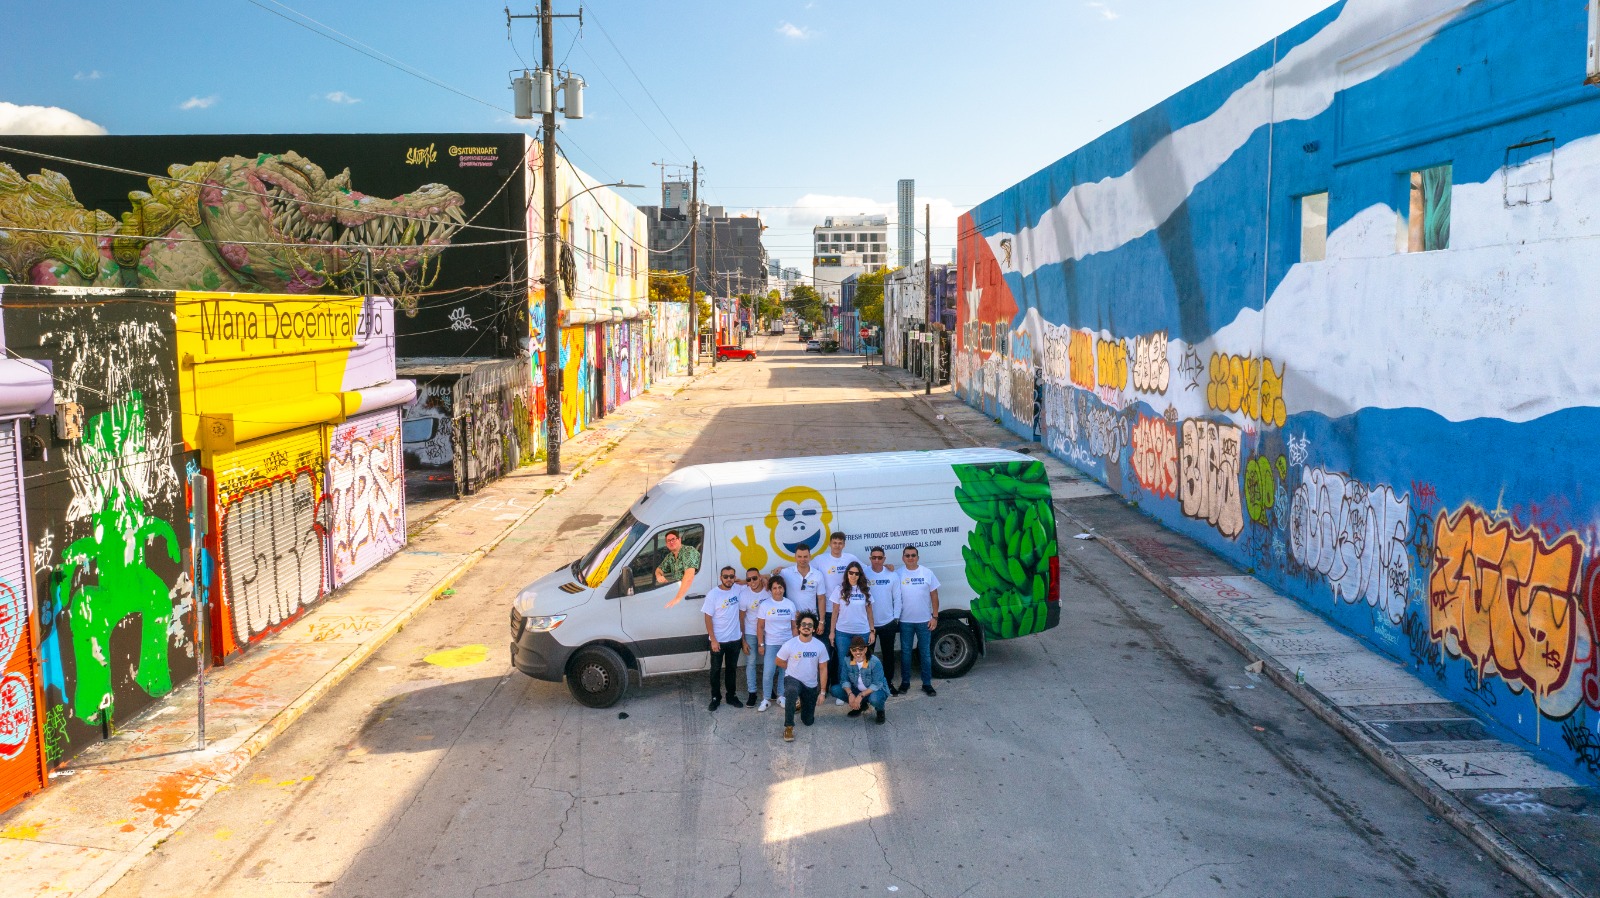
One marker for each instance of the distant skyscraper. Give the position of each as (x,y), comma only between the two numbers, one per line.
(907,195)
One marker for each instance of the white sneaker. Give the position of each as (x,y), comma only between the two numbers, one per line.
(838,701)
(764,705)
(781,700)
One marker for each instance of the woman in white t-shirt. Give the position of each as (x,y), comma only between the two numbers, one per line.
(851,605)
(774,627)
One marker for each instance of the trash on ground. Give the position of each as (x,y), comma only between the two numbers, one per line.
(1084,536)
(1256,667)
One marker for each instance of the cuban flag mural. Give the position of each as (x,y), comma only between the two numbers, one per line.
(1332,311)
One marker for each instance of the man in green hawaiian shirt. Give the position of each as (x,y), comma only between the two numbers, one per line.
(680,564)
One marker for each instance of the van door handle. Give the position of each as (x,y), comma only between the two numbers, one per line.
(700,596)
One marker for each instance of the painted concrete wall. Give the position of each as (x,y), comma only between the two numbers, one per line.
(107,513)
(1402,440)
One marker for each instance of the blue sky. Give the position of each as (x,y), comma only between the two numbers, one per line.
(800,109)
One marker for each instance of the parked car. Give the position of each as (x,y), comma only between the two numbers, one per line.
(775,329)
(813,346)
(986,526)
(733,352)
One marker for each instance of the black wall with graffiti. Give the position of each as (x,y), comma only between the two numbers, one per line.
(104,485)
(273,213)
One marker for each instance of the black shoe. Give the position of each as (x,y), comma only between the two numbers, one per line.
(750,699)
(733,702)
(856,712)
(880,715)
(930,690)
(905,686)
(894,690)
(715,701)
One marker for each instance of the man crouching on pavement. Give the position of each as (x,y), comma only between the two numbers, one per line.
(804,660)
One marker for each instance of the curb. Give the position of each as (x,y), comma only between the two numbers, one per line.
(1446,806)
(1440,801)
(296,709)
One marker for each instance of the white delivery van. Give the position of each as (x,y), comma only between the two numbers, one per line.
(982,519)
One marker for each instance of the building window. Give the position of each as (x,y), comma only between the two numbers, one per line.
(1427,221)
(605,251)
(1314,227)
(1594,42)
(1530,172)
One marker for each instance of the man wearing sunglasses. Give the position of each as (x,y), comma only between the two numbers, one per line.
(804,660)
(885,584)
(919,610)
(725,627)
(753,593)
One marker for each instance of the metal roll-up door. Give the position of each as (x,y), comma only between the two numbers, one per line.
(366,493)
(21,756)
(274,533)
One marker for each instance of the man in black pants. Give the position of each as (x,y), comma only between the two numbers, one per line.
(725,627)
(885,586)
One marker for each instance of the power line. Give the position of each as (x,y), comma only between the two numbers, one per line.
(642,85)
(375,54)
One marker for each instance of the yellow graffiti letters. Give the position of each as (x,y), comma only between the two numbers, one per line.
(1247,385)
(1112,363)
(1508,603)
(423,156)
(1080,359)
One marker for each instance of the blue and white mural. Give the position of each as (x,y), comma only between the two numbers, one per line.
(1325,311)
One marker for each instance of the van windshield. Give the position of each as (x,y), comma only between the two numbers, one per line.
(593,567)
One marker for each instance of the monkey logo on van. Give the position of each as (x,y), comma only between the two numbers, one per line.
(799,519)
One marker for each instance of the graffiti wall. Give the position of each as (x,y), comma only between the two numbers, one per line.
(472,422)
(25,389)
(668,342)
(270,384)
(1321,322)
(107,523)
(366,493)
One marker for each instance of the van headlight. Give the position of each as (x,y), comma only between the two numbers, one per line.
(545,623)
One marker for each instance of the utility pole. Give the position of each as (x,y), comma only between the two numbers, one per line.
(714,275)
(927,286)
(694,261)
(552,299)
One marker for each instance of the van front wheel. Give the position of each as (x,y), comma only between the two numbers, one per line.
(597,676)
(955,649)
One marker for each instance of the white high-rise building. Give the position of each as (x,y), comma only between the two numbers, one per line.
(867,236)
(906,196)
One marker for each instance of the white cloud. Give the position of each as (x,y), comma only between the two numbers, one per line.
(198,102)
(1105,11)
(16,119)
(340,96)
(87,76)
(798,32)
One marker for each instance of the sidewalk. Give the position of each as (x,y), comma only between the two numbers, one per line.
(1537,822)
(119,799)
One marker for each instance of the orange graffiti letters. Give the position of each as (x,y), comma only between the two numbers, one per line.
(1155,456)
(1080,358)
(1507,602)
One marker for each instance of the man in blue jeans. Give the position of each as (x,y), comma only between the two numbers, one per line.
(919,609)
(804,660)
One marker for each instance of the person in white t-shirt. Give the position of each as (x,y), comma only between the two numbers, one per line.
(919,615)
(725,627)
(852,613)
(804,660)
(832,563)
(884,581)
(807,587)
(774,627)
(750,602)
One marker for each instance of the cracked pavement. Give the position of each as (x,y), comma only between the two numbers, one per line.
(1124,753)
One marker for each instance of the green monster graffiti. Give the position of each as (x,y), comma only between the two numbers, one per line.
(1008,552)
(114,441)
(267,223)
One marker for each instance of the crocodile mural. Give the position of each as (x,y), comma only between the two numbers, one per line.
(271,223)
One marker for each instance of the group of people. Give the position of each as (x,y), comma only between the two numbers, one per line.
(817,621)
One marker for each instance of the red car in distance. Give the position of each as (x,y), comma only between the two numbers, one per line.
(725,353)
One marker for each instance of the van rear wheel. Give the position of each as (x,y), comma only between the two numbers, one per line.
(955,649)
(597,676)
